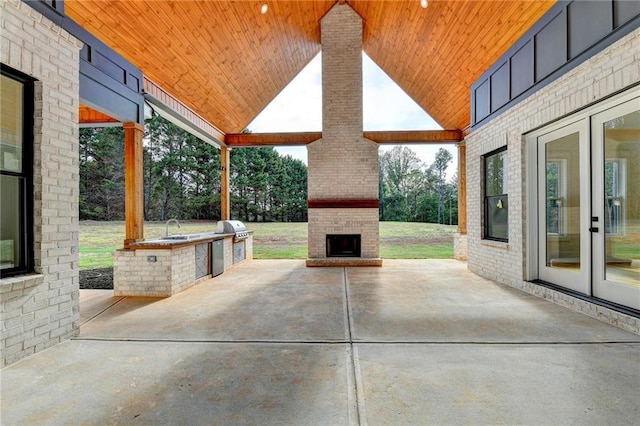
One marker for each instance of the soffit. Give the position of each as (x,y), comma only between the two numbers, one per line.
(227,61)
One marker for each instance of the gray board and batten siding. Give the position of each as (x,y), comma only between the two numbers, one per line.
(108,82)
(567,35)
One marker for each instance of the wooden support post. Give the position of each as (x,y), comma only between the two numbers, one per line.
(225,203)
(133,183)
(462,188)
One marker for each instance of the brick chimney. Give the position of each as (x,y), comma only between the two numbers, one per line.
(343,165)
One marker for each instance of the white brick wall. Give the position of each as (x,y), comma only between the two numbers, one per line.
(174,270)
(41,310)
(135,275)
(460,246)
(341,34)
(343,164)
(608,72)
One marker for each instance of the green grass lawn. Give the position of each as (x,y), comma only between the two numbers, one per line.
(293,252)
(96,257)
(444,251)
(398,240)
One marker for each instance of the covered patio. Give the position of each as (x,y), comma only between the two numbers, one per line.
(275,342)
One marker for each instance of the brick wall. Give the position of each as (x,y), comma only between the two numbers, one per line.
(460,246)
(41,310)
(173,271)
(608,72)
(135,275)
(342,165)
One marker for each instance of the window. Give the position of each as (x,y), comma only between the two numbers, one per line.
(16,174)
(556,196)
(496,203)
(615,182)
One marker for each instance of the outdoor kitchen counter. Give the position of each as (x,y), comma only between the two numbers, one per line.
(165,266)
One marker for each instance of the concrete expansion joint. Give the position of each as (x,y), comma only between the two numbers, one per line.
(120,299)
(491,343)
(354,343)
(358,391)
(213,341)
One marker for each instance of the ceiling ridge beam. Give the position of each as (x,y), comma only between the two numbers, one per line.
(381,137)
(414,136)
(271,139)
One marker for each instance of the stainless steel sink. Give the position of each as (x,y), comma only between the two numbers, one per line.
(186,237)
(181,237)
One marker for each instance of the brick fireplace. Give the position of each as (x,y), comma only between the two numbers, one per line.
(343,165)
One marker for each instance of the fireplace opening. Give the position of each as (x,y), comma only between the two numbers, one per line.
(343,245)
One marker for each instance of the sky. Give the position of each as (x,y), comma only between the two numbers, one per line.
(298,108)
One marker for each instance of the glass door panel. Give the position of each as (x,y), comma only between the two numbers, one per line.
(563,192)
(616,202)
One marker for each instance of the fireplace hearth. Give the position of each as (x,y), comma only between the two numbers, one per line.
(343,245)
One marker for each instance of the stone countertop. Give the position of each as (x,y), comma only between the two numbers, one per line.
(169,243)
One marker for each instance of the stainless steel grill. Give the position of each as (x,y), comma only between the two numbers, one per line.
(232,227)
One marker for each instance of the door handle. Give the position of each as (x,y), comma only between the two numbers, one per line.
(593,229)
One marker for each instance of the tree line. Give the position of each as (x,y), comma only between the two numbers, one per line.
(411,191)
(182,180)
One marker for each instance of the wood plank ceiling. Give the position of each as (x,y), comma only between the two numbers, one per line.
(227,61)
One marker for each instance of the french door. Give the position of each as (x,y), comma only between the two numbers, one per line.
(563,212)
(616,204)
(588,204)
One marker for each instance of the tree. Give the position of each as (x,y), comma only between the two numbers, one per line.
(169,168)
(400,170)
(439,166)
(182,178)
(266,186)
(410,191)
(203,193)
(102,173)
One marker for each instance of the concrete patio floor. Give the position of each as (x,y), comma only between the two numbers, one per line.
(274,342)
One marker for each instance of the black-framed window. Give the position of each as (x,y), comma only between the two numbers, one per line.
(16,172)
(496,201)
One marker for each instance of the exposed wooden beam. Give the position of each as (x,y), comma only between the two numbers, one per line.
(270,139)
(90,116)
(305,138)
(414,136)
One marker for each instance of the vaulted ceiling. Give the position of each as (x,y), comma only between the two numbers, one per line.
(226,60)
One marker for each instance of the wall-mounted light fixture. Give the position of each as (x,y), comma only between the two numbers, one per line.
(424,3)
(264,8)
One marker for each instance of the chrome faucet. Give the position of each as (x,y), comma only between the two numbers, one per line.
(168,222)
